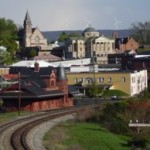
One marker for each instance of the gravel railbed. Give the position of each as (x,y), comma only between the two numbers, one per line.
(35,136)
(5,136)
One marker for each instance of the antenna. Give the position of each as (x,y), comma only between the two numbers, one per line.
(117,22)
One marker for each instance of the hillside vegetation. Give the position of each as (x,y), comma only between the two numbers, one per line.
(104,128)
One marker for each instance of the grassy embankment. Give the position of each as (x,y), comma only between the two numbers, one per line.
(84,136)
(9,116)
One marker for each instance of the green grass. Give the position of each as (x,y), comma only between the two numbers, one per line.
(109,93)
(4,117)
(90,136)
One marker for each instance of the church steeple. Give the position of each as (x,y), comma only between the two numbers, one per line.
(27,19)
(27,30)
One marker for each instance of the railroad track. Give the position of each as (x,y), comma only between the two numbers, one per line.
(16,139)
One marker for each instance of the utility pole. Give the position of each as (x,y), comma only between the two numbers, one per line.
(1,82)
(94,80)
(19,99)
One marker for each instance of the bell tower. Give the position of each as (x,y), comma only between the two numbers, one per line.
(27,29)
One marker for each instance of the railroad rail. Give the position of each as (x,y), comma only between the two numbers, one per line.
(17,139)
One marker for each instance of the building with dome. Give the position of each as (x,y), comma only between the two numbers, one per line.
(90,32)
(90,44)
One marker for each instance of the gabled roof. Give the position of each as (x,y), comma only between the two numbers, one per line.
(119,41)
(29,89)
(30,74)
(9,76)
(34,33)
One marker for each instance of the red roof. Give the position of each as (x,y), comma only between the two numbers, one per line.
(10,76)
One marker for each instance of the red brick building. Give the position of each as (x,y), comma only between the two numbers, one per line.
(37,89)
(125,44)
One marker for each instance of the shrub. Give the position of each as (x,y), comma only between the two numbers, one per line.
(137,142)
(85,114)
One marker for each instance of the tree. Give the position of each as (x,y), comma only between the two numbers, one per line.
(63,37)
(5,58)
(141,32)
(8,37)
(94,90)
(73,35)
(32,52)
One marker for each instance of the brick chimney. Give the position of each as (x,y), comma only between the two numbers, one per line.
(36,67)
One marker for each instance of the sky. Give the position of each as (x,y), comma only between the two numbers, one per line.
(58,15)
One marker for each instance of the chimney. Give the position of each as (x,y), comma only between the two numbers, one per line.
(36,67)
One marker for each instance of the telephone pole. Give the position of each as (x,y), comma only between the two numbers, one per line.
(19,89)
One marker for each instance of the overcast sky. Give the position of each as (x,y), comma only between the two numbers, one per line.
(55,15)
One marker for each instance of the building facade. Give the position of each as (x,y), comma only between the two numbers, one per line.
(32,38)
(137,63)
(129,82)
(125,44)
(90,44)
(37,89)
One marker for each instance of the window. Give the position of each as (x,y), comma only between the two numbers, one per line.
(133,79)
(89,81)
(76,80)
(101,79)
(109,79)
(37,39)
(81,79)
(123,79)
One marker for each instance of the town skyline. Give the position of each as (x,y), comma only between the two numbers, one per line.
(76,15)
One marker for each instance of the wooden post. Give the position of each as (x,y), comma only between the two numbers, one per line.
(19,99)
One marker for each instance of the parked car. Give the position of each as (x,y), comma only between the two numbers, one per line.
(114,97)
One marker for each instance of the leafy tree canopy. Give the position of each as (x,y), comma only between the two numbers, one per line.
(8,37)
(141,32)
(32,53)
(94,90)
(73,35)
(64,36)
